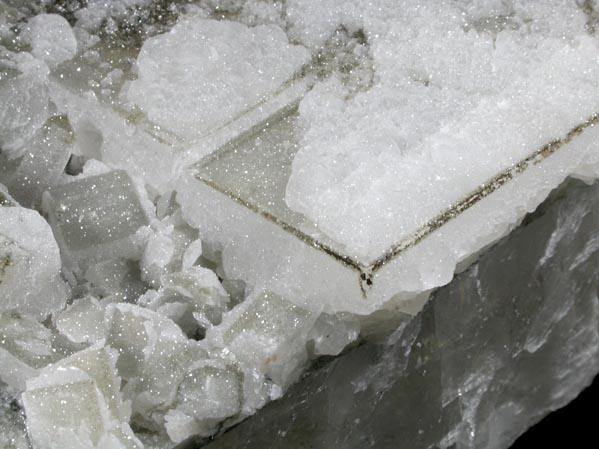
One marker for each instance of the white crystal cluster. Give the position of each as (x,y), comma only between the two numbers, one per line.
(131,316)
(114,315)
(462,90)
(229,68)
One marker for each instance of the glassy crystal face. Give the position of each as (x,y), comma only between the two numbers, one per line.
(96,210)
(200,198)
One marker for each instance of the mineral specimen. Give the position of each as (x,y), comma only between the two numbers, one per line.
(507,341)
(205,73)
(200,198)
(30,282)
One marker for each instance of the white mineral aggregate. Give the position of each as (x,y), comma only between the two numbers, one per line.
(266,333)
(96,218)
(42,164)
(209,393)
(102,133)
(451,248)
(134,331)
(193,298)
(51,38)
(204,73)
(153,393)
(25,346)
(96,12)
(76,404)
(171,245)
(452,104)
(458,92)
(25,101)
(30,264)
(82,321)
(316,281)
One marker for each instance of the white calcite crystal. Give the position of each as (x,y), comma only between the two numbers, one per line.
(25,346)
(266,333)
(458,103)
(96,218)
(76,404)
(209,393)
(25,101)
(199,198)
(470,111)
(42,164)
(205,73)
(30,280)
(51,38)
(193,298)
(101,133)
(82,321)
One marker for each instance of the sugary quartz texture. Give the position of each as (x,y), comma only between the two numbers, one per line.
(205,73)
(141,307)
(461,91)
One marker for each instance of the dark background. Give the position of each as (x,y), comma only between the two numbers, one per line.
(574,426)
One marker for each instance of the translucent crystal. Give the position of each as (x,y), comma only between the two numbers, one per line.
(205,73)
(267,333)
(24,107)
(209,393)
(331,334)
(30,281)
(42,164)
(487,357)
(95,218)
(170,246)
(76,403)
(25,346)
(193,298)
(101,133)
(119,278)
(153,391)
(155,357)
(82,321)
(134,331)
(51,38)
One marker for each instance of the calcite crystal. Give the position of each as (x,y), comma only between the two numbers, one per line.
(29,257)
(198,199)
(95,218)
(76,403)
(510,339)
(179,91)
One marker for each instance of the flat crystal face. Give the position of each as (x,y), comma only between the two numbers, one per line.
(96,210)
(255,170)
